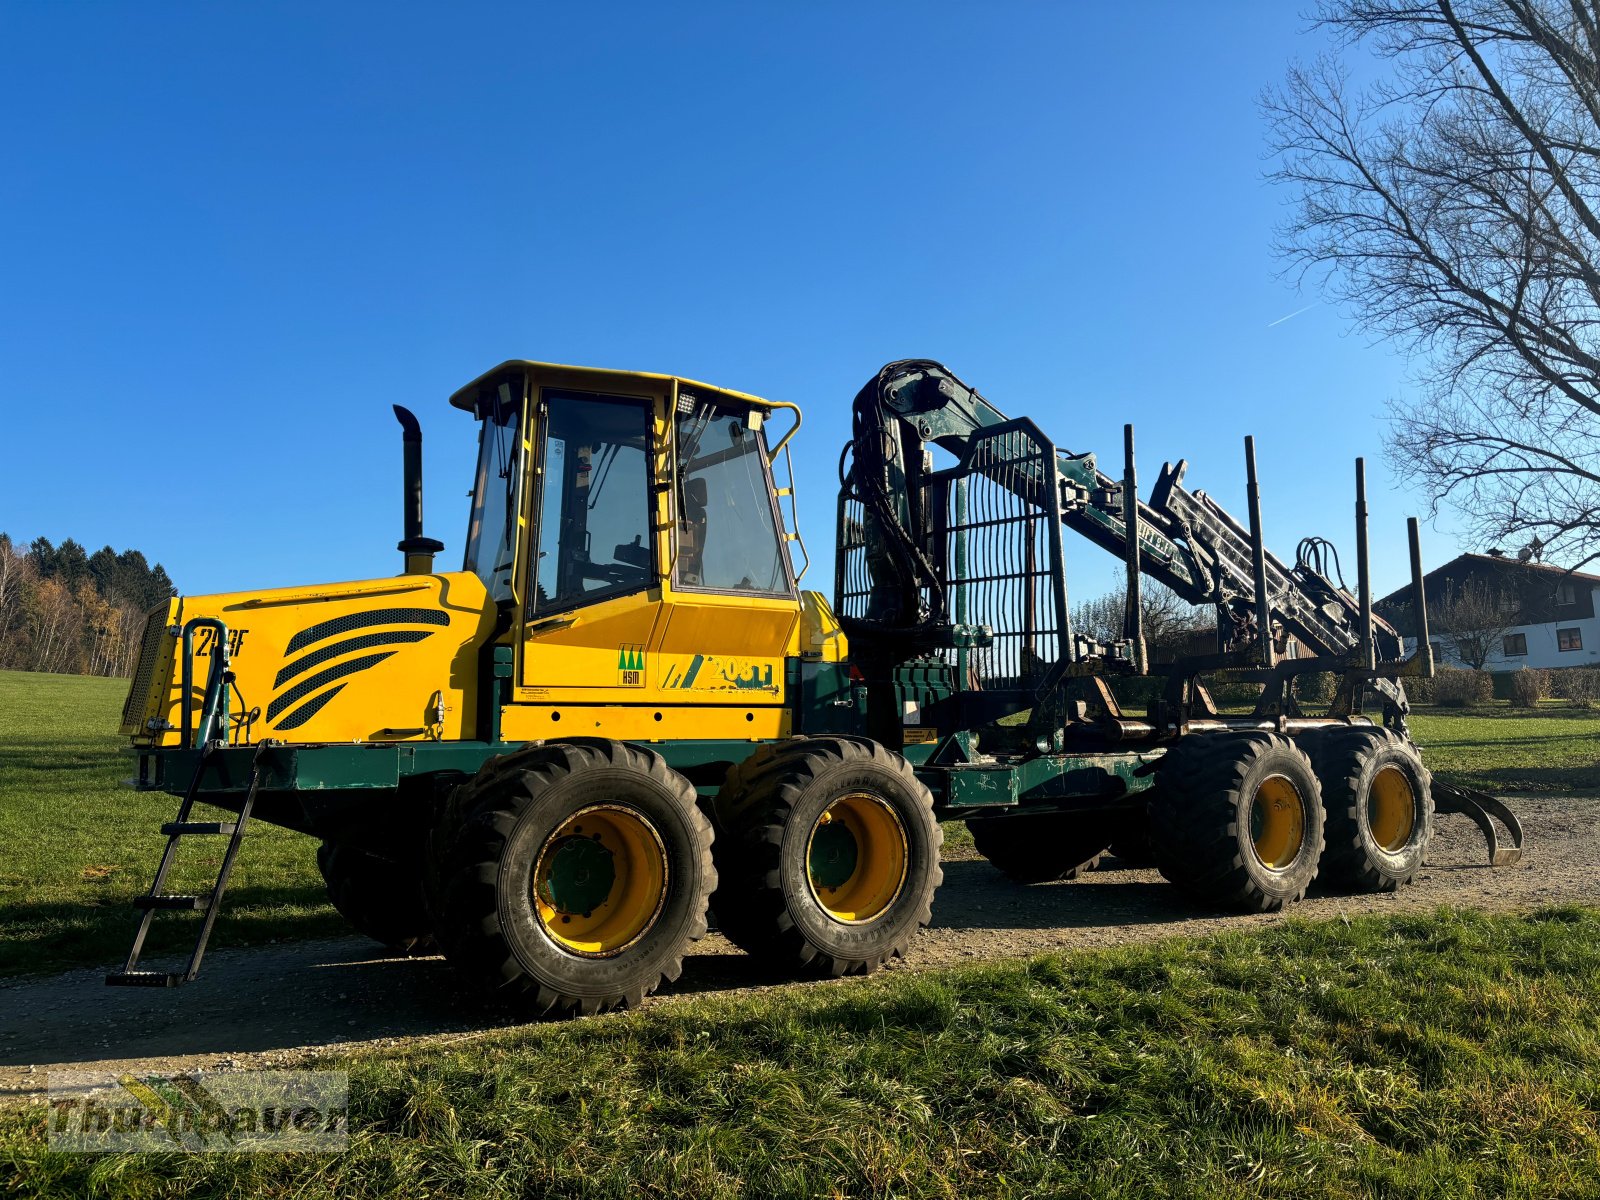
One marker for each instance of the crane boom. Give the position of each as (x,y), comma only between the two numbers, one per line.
(1186,540)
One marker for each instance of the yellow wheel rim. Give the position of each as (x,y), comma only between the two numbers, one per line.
(600,880)
(1277,822)
(856,858)
(1391,809)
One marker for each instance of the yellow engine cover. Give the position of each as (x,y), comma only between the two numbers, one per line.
(380,660)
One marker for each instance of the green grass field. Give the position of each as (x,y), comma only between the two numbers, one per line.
(1555,748)
(1440,1055)
(80,845)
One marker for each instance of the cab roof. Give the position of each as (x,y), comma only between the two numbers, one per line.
(467,397)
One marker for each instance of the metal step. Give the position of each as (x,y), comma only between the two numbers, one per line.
(160,979)
(169,903)
(207,903)
(178,828)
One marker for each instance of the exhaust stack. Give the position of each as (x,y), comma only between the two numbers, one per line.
(419,550)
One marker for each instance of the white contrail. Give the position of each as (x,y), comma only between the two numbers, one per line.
(1295,313)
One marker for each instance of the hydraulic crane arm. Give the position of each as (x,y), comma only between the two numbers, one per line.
(1185,539)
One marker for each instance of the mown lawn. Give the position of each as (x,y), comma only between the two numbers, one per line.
(1555,748)
(78,845)
(1444,1055)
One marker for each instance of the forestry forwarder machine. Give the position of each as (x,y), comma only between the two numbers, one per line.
(523,762)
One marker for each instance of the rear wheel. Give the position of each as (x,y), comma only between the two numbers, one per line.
(1238,820)
(829,855)
(573,875)
(1041,847)
(1380,807)
(380,898)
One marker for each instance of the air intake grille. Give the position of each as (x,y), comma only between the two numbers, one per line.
(155,629)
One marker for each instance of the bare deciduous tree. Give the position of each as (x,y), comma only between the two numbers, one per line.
(16,575)
(1454,204)
(1474,620)
(1169,619)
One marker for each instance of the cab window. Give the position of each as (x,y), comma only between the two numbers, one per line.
(593,532)
(727,534)
(497,491)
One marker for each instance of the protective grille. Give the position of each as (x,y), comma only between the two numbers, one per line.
(306,686)
(996,542)
(853,586)
(155,629)
(1002,546)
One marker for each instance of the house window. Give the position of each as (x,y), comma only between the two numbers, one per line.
(1569,639)
(1566,593)
(1514,645)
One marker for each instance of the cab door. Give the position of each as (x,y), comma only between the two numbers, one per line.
(733,609)
(593,584)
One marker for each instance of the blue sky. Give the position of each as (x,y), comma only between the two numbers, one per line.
(233,235)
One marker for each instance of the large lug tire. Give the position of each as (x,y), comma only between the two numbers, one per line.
(379,898)
(828,855)
(1238,820)
(1379,799)
(1042,847)
(571,876)
(1130,838)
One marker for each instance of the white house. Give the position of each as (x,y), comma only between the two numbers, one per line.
(1556,612)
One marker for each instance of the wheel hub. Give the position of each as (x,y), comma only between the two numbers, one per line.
(857,857)
(1277,822)
(582,874)
(600,880)
(1391,809)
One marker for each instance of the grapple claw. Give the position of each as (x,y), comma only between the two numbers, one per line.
(1479,807)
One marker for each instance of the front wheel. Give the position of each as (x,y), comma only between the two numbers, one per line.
(572,876)
(829,855)
(1238,820)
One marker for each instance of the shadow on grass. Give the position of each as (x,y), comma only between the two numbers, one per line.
(1542,739)
(61,935)
(1530,778)
(84,760)
(278,997)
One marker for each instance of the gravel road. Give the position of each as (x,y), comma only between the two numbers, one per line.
(274,1005)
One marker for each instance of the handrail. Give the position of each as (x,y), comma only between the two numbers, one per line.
(794,513)
(772,454)
(214,704)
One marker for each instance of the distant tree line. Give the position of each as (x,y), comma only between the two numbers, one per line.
(65,610)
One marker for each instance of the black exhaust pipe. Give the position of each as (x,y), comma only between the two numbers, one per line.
(419,550)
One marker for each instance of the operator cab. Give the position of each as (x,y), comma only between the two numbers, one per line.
(593,457)
(630,524)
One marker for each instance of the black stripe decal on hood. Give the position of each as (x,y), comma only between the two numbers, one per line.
(310,708)
(306,686)
(350,622)
(365,642)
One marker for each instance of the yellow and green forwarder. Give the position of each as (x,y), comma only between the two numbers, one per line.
(623,716)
